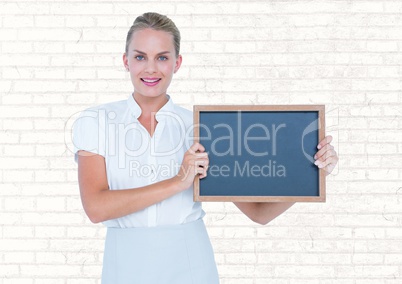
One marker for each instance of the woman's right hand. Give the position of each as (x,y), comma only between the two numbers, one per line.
(195,162)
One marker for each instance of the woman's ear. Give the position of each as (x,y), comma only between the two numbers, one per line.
(125,62)
(179,60)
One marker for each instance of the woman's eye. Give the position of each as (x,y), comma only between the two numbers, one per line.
(140,57)
(162,58)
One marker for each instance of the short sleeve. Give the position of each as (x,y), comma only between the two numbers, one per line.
(89,133)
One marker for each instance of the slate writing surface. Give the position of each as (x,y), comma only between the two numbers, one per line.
(260,153)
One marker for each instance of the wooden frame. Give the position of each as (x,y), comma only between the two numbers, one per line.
(203,111)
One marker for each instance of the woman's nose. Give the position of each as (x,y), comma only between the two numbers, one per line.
(150,67)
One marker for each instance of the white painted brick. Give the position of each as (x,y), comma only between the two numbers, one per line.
(81,8)
(18,175)
(50,150)
(92,270)
(10,189)
(7,137)
(222,21)
(367,259)
(77,60)
(206,8)
(16,47)
(48,47)
(48,189)
(49,124)
(15,72)
(51,204)
(19,257)
(391,258)
(366,7)
(51,218)
(208,47)
(56,257)
(380,46)
(45,86)
(8,34)
(22,21)
(385,137)
(50,21)
(368,271)
(84,232)
(46,280)
(83,281)
(15,99)
(387,72)
(81,98)
(10,270)
(80,73)
(267,280)
(84,258)
(336,258)
(9,218)
(272,258)
(214,232)
(392,110)
(56,271)
(305,271)
(47,232)
(125,9)
(381,148)
(73,203)
(22,163)
(29,60)
(241,258)
(112,21)
(113,47)
(240,47)
(18,281)
(77,245)
(23,245)
(41,34)
(79,47)
(41,137)
(80,22)
(239,270)
(49,73)
(389,174)
(393,233)
(239,232)
(117,73)
(392,7)
(16,150)
(17,232)
(227,280)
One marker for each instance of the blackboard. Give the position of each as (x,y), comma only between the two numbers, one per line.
(260,153)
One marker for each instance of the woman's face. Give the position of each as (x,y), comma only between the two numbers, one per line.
(151,61)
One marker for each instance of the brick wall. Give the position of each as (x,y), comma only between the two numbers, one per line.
(59,57)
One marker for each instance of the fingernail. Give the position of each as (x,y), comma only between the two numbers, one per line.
(315,157)
(316,163)
(319,146)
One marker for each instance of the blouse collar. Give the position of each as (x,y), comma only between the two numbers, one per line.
(136,109)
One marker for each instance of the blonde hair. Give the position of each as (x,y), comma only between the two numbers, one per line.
(157,22)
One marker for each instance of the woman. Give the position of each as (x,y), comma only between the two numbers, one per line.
(136,171)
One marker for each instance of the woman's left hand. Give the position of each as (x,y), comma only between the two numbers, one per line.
(326,157)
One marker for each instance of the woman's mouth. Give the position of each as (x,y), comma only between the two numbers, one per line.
(150,81)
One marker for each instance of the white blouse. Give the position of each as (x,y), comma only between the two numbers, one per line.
(133,158)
